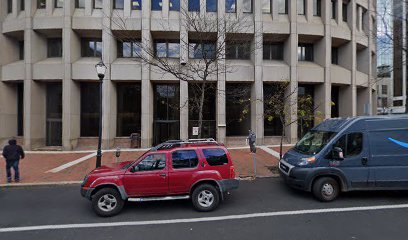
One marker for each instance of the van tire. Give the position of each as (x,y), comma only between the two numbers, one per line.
(205,198)
(111,207)
(326,189)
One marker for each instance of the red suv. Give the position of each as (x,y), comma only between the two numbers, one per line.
(200,170)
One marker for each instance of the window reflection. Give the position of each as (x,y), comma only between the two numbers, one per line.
(230,6)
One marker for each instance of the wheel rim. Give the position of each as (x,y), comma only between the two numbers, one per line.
(328,189)
(107,202)
(205,198)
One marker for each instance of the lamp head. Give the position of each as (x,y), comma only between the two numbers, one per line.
(100,69)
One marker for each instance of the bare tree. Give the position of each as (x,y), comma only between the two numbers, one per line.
(208,39)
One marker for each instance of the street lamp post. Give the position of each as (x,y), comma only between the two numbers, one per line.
(100,70)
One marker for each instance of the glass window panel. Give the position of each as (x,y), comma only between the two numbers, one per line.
(317,7)
(41,4)
(89,109)
(209,50)
(194,5)
(54,47)
(161,49)
(247,6)
(266,6)
(127,49)
(283,6)
(118,4)
(277,51)
(273,92)
(345,5)
(98,52)
(211,6)
(333,9)
(157,5)
(59,3)
(9,6)
(195,50)
(167,102)
(230,6)
(174,5)
(267,52)
(137,50)
(136,4)
(80,3)
(129,109)
(22,5)
(21,50)
(98,4)
(238,109)
(301,7)
(173,50)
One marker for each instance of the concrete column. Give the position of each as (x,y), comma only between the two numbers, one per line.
(221,111)
(183,85)
(71,93)
(127,8)
(257,98)
(147,89)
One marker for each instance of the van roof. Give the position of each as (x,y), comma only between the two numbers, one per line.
(337,124)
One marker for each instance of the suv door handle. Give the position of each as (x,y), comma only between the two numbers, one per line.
(364,161)
(162,175)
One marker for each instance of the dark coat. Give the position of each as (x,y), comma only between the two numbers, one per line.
(13,152)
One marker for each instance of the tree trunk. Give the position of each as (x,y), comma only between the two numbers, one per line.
(281,140)
(200,110)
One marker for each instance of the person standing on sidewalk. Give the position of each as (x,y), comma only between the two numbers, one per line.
(12,153)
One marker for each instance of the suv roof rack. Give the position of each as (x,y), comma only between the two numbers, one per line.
(170,144)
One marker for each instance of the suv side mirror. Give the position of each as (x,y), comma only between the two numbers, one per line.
(337,154)
(134,169)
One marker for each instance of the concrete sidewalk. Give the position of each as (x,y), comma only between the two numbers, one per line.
(68,167)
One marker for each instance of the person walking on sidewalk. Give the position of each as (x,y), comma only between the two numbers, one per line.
(12,153)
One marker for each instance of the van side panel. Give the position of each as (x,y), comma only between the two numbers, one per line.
(389,152)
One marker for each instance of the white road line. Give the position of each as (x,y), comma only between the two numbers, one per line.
(70,164)
(270,151)
(205,219)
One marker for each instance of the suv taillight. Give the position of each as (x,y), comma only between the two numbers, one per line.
(232,172)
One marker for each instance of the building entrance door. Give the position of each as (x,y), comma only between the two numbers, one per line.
(166,130)
(54,114)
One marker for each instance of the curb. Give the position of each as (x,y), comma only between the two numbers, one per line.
(16,185)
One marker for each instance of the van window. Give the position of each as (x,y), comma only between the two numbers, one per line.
(351,144)
(215,157)
(184,159)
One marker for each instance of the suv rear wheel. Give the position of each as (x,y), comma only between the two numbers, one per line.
(107,202)
(205,198)
(326,189)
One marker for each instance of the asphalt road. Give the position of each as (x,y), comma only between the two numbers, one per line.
(40,206)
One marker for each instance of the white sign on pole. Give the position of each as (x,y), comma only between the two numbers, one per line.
(195,131)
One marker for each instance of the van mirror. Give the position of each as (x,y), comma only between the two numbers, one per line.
(337,154)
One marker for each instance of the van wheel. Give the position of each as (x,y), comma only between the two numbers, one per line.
(107,202)
(326,189)
(205,198)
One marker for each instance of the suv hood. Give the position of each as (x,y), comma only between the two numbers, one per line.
(111,169)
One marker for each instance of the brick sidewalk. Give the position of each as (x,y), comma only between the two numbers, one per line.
(33,169)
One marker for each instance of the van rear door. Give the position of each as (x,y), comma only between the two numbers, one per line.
(389,152)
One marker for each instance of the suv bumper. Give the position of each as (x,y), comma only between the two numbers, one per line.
(228,184)
(86,192)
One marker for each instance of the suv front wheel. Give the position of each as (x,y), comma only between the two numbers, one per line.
(107,202)
(205,198)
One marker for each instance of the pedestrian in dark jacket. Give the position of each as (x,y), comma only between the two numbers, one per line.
(13,153)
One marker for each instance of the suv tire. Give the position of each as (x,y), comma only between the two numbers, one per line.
(326,189)
(107,202)
(205,198)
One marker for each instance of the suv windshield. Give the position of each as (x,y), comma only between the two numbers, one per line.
(313,142)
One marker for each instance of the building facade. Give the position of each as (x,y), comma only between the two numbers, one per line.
(49,88)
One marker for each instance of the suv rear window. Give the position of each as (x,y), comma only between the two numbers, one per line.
(215,157)
(184,159)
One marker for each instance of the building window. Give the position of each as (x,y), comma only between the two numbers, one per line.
(136,5)
(238,51)
(201,50)
(247,6)
(333,9)
(266,6)
(344,11)
(194,5)
(118,4)
(98,4)
(54,47)
(301,7)
(91,48)
(20,109)
(157,5)
(90,109)
(129,107)
(80,3)
(273,51)
(167,49)
(283,6)
(384,90)
(211,6)
(59,3)
(305,122)
(174,5)
(238,107)
(273,93)
(21,50)
(317,8)
(335,55)
(22,5)
(129,49)
(9,6)
(41,4)
(230,6)
(305,52)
